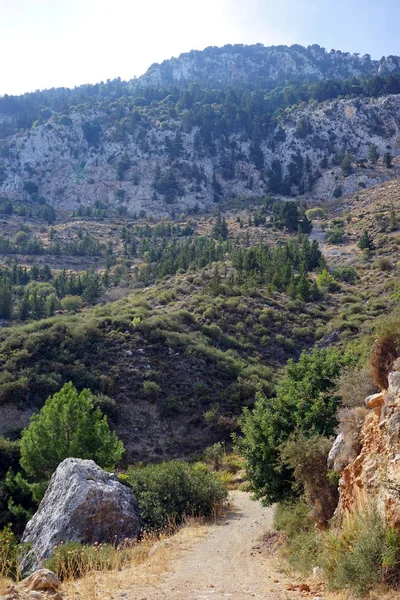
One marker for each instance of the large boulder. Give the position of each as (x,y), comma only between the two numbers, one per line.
(83,504)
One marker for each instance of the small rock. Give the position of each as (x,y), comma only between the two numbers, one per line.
(40,580)
(36,595)
(303,587)
(317,572)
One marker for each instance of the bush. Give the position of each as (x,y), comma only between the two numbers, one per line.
(72,303)
(151,390)
(315,213)
(347,274)
(354,385)
(383,264)
(354,558)
(9,553)
(335,235)
(338,191)
(302,545)
(9,456)
(307,457)
(172,490)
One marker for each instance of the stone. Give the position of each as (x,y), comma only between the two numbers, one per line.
(40,580)
(318,573)
(83,503)
(335,451)
(394,382)
(375,402)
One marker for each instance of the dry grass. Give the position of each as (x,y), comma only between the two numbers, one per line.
(149,559)
(4,583)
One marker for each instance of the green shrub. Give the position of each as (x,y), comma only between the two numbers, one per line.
(354,558)
(172,490)
(383,264)
(151,390)
(9,456)
(347,274)
(72,303)
(335,235)
(302,544)
(315,213)
(9,553)
(338,191)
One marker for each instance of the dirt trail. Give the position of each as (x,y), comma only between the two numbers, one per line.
(225,565)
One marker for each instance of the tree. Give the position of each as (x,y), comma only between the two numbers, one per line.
(347,165)
(366,242)
(306,225)
(305,403)
(68,425)
(220,228)
(373,153)
(387,159)
(6,298)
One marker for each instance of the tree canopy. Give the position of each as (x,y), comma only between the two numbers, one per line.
(68,425)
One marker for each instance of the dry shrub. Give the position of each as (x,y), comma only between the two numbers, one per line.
(351,422)
(308,459)
(355,385)
(384,354)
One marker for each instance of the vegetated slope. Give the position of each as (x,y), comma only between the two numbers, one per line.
(158,160)
(179,372)
(170,148)
(266,67)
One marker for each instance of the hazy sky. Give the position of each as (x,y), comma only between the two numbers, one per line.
(51,43)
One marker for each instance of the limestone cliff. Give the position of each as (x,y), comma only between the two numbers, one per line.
(374,475)
(87,158)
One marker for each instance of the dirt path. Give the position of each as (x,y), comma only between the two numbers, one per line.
(225,564)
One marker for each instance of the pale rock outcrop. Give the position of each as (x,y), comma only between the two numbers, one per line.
(83,504)
(41,585)
(374,474)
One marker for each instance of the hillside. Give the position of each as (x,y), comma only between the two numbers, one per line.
(159,160)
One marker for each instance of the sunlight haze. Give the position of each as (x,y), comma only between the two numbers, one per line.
(52,43)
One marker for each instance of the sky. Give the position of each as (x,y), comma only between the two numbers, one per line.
(64,43)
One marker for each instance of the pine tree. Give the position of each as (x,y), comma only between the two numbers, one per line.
(5,298)
(366,242)
(220,228)
(68,425)
(373,154)
(387,159)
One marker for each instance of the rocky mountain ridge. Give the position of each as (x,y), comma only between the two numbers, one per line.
(265,66)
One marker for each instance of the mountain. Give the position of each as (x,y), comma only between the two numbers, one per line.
(164,158)
(172,141)
(266,67)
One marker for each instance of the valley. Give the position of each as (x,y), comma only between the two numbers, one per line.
(199,270)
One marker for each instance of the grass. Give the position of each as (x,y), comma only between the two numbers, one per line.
(147,562)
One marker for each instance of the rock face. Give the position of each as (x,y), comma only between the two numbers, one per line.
(374,475)
(83,504)
(268,66)
(71,173)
